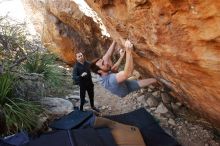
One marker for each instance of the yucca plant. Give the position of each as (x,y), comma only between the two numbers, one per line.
(44,64)
(20,114)
(6,83)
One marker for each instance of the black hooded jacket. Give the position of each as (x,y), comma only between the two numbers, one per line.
(78,69)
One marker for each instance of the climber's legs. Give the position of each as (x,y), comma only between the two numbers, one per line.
(146,82)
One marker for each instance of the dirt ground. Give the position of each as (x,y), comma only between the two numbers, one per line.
(185,127)
(176,119)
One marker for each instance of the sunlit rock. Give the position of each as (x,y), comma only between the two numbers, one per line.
(175,41)
(64,29)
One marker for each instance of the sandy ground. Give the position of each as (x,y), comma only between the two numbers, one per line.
(181,127)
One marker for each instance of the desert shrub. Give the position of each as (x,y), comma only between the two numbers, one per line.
(20,114)
(44,63)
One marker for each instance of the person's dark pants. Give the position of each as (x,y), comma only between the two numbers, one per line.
(90,91)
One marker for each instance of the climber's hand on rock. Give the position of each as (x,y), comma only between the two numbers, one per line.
(128,45)
(122,52)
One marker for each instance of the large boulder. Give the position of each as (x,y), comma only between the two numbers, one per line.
(175,41)
(64,29)
(56,107)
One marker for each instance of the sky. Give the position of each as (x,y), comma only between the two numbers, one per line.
(83,6)
(15,10)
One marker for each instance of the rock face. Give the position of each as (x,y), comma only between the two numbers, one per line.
(55,106)
(178,42)
(64,29)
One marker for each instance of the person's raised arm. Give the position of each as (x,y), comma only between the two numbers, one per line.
(129,67)
(110,51)
(117,64)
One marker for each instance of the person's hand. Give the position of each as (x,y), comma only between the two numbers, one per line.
(83,74)
(122,52)
(128,45)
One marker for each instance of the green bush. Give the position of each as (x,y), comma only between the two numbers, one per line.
(44,64)
(6,81)
(20,114)
(12,41)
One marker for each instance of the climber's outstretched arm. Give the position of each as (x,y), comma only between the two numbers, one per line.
(108,54)
(118,63)
(129,67)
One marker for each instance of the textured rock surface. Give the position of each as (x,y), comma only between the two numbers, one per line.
(176,41)
(64,29)
(56,106)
